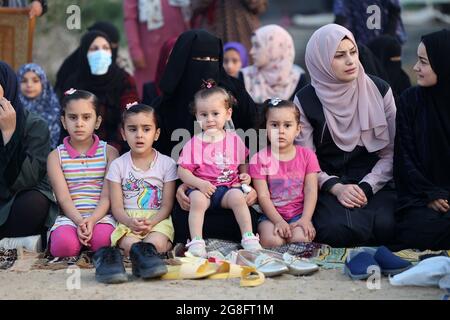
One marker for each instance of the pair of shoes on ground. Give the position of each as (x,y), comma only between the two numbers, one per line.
(191,267)
(145,263)
(360,263)
(272,263)
(197,247)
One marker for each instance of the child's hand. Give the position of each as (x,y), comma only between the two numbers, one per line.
(307,226)
(149,224)
(245,178)
(207,188)
(137,225)
(89,223)
(282,229)
(82,233)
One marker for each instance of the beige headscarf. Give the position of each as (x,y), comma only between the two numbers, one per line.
(280,76)
(354,111)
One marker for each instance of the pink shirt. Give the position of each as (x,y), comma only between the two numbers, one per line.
(142,189)
(215,162)
(285,179)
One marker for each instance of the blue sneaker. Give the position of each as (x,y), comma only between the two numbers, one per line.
(390,264)
(358,263)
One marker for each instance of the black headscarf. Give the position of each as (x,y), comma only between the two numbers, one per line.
(370,63)
(107,87)
(437,102)
(70,64)
(11,155)
(384,48)
(183,77)
(111,31)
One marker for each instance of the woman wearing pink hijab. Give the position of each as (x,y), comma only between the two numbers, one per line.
(348,117)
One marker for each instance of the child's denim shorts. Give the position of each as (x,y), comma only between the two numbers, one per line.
(217,196)
(263,217)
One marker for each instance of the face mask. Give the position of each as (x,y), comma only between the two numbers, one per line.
(99,61)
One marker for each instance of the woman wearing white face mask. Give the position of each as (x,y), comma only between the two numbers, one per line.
(114,87)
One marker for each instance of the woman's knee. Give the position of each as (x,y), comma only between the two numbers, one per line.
(64,242)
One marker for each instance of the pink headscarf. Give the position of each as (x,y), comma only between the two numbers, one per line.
(280,76)
(354,111)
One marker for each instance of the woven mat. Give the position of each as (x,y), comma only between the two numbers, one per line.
(323,255)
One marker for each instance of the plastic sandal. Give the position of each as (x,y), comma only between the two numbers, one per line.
(190,270)
(251,277)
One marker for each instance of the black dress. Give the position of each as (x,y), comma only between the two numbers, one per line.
(419,226)
(335,224)
(422,153)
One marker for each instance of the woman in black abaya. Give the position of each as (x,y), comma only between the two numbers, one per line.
(422,150)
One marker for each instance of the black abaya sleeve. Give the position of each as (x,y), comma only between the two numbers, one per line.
(413,187)
(245,113)
(11,158)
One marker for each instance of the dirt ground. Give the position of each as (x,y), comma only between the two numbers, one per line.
(325,284)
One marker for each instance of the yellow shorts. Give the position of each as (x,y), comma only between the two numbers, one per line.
(165,227)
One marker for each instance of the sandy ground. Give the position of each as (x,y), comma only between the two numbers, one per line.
(325,284)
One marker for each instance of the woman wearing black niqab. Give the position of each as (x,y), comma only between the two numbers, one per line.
(196,57)
(388,50)
(422,150)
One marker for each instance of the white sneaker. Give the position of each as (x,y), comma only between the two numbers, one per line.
(197,248)
(251,242)
(31,243)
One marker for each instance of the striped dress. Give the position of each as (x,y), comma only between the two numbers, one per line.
(84,175)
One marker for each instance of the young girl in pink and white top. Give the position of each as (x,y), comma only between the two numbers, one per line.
(213,162)
(77,170)
(285,178)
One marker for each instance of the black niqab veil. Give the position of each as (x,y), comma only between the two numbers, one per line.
(437,102)
(384,48)
(184,76)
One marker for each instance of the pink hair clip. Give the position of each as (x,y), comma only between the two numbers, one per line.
(70,91)
(129,105)
(208,84)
